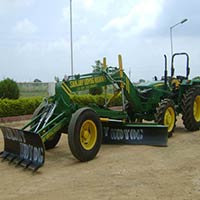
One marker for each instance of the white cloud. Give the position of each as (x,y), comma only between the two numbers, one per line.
(82,4)
(88,4)
(25,27)
(8,6)
(30,48)
(22,2)
(141,16)
(60,44)
(65,13)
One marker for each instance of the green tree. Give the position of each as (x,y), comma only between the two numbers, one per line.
(95,90)
(96,68)
(9,89)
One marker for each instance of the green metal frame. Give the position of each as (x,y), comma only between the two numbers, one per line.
(56,114)
(143,102)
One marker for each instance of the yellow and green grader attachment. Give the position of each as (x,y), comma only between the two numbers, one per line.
(87,126)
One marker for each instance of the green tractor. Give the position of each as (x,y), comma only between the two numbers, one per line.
(179,95)
(91,124)
(88,125)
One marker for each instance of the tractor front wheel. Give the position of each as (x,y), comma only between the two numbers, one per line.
(52,141)
(191,109)
(166,115)
(85,134)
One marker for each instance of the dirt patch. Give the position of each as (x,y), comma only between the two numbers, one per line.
(118,172)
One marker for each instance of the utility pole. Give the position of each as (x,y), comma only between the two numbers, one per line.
(71,40)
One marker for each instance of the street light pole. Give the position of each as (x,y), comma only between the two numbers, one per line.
(181,22)
(71,39)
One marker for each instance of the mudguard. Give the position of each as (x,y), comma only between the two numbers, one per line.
(23,148)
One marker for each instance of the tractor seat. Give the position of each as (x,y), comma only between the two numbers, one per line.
(181,78)
(175,83)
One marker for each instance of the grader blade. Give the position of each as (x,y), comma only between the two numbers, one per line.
(143,134)
(23,148)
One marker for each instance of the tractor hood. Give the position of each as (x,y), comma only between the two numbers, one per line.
(150,84)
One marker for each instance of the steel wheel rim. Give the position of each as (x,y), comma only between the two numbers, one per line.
(196,109)
(169,118)
(88,134)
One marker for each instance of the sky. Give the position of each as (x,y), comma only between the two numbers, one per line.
(35,37)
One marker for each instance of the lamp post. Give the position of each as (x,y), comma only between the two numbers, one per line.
(181,22)
(71,39)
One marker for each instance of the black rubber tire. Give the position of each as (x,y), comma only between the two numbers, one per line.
(74,134)
(53,141)
(189,121)
(163,106)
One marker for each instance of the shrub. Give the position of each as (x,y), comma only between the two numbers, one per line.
(88,99)
(21,106)
(24,106)
(95,90)
(9,89)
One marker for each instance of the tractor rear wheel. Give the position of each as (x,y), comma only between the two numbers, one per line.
(166,115)
(85,134)
(191,109)
(52,141)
